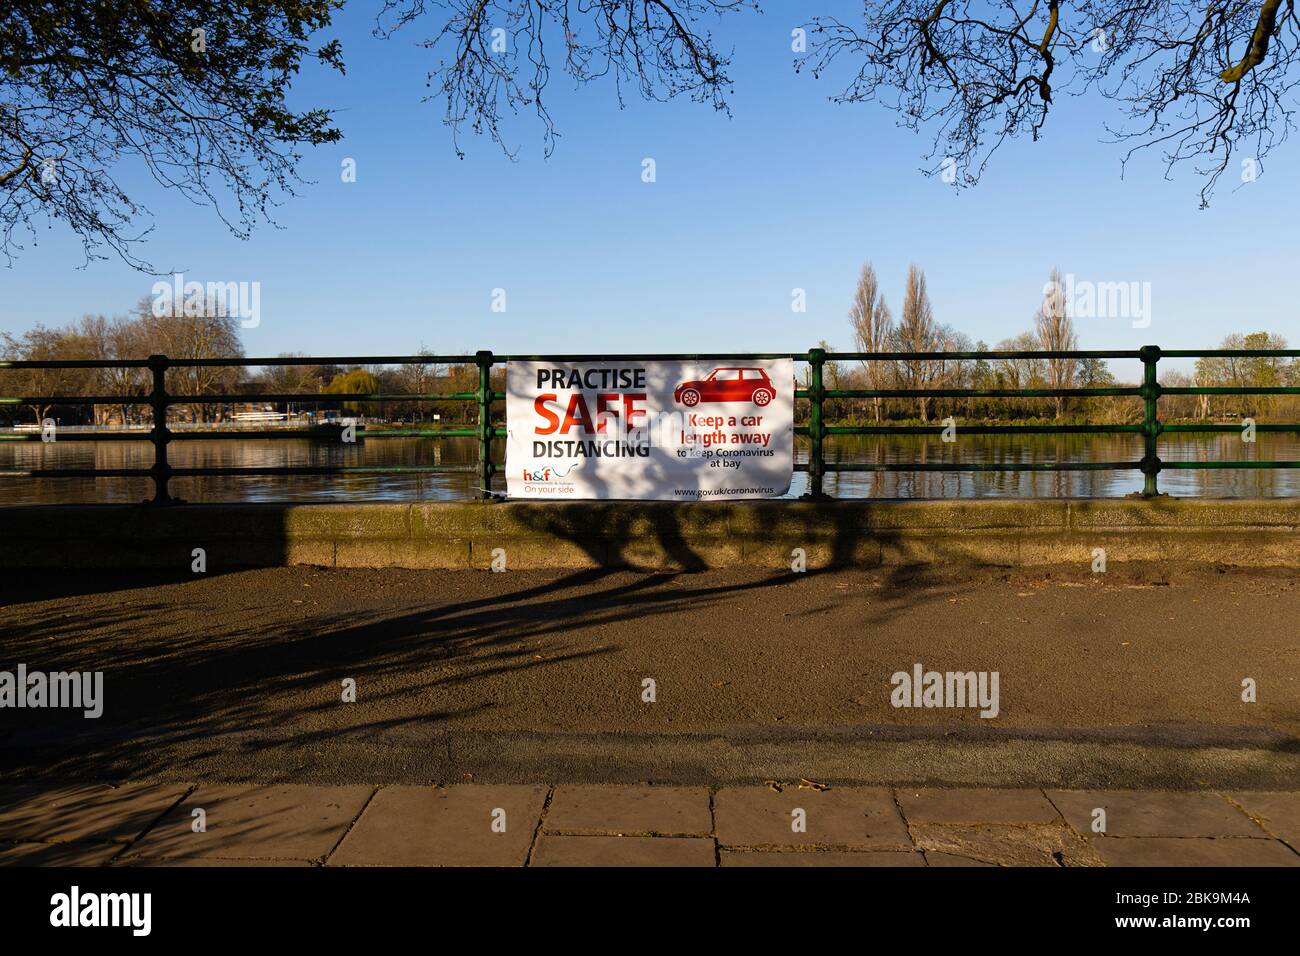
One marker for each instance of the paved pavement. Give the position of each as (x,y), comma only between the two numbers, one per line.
(798,824)
(1131,678)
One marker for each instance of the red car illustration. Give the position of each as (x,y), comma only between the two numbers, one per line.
(727,385)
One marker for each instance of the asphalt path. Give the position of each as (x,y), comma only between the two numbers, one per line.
(1129,678)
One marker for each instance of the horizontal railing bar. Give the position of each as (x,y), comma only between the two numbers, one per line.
(1230,390)
(247,398)
(76,473)
(237,361)
(272,470)
(830,356)
(975,356)
(287,361)
(309,397)
(329,432)
(653,357)
(426,432)
(332,433)
(66,436)
(1229,353)
(1229,428)
(197,434)
(74,400)
(986,466)
(974,429)
(75,363)
(1165,464)
(469,469)
(970,392)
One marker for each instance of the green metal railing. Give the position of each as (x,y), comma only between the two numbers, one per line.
(161,436)
(158,399)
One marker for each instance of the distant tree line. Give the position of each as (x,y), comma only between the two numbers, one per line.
(207,337)
(874,330)
(917,330)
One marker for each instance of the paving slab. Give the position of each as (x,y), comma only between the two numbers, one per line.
(444,826)
(638,810)
(286,822)
(1133,813)
(1193,851)
(58,854)
(1278,812)
(841,816)
(1007,844)
(89,812)
(976,805)
(873,858)
(554,850)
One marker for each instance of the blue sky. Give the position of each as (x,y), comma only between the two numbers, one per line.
(791,192)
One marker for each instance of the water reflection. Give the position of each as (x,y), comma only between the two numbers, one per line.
(463,451)
(1048,484)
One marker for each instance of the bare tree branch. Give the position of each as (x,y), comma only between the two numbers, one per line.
(1194,78)
(493,58)
(194,91)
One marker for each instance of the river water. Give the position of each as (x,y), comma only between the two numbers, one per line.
(462,451)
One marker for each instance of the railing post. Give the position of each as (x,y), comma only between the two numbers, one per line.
(816,463)
(1150,419)
(484,362)
(160,436)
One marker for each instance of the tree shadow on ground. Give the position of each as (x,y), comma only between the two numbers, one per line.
(181,666)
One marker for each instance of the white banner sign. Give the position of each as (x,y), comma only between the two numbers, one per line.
(677,431)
